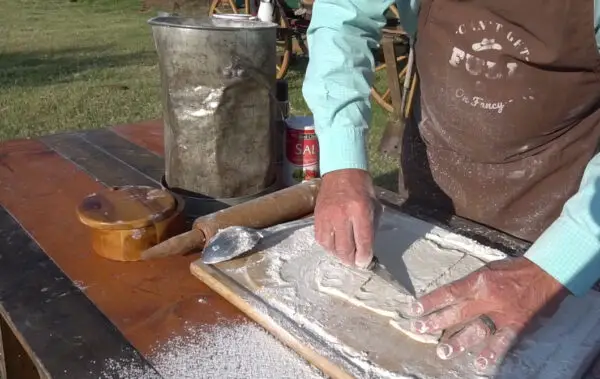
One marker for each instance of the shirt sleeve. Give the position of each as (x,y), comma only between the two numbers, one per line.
(339,77)
(569,249)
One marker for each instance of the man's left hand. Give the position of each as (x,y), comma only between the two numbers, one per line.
(490,307)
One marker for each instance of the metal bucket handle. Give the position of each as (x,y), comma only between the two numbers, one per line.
(236,17)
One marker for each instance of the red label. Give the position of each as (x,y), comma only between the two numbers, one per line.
(302,147)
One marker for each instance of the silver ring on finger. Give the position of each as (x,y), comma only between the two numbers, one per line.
(489,323)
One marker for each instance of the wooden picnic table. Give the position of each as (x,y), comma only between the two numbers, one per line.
(65,311)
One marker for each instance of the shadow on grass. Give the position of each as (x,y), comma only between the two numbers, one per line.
(388,180)
(43,67)
(299,64)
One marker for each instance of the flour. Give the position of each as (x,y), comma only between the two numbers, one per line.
(364,288)
(428,263)
(242,350)
(360,287)
(290,286)
(422,257)
(123,369)
(223,351)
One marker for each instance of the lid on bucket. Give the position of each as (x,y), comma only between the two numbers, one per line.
(128,207)
(214,22)
(301,122)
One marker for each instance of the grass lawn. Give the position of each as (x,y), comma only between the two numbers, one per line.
(76,65)
(90,64)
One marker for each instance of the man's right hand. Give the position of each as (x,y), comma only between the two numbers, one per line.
(346,216)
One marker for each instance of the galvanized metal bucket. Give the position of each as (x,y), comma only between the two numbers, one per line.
(218,86)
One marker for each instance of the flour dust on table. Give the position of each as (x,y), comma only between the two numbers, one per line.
(357,316)
(224,351)
(230,351)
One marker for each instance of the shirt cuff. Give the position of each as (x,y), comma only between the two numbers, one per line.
(342,148)
(568,253)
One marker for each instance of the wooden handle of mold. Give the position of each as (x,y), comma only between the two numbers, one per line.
(284,205)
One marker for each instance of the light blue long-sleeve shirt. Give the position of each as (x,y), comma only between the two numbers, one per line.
(337,87)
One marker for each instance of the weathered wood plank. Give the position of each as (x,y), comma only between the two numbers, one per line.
(139,158)
(148,134)
(56,325)
(98,163)
(148,302)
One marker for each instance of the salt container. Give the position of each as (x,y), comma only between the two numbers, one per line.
(301,159)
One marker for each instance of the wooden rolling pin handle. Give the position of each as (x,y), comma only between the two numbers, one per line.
(177,245)
(272,209)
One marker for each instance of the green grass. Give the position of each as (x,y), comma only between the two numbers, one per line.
(66,66)
(91,63)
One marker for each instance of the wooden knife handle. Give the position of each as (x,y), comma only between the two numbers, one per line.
(272,209)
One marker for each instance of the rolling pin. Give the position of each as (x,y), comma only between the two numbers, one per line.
(272,209)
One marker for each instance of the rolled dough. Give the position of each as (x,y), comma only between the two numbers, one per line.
(366,289)
(420,263)
(425,269)
(361,287)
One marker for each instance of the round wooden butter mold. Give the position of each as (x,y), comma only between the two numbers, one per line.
(125,221)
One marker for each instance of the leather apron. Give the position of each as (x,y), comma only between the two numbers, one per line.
(509,110)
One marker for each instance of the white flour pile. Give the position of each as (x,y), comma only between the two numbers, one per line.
(241,350)
(222,351)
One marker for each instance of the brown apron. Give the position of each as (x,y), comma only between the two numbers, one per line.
(509,110)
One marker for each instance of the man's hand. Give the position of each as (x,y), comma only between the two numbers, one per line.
(510,293)
(346,216)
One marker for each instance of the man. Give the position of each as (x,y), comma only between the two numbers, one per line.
(509,122)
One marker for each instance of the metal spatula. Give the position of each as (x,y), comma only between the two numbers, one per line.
(235,241)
